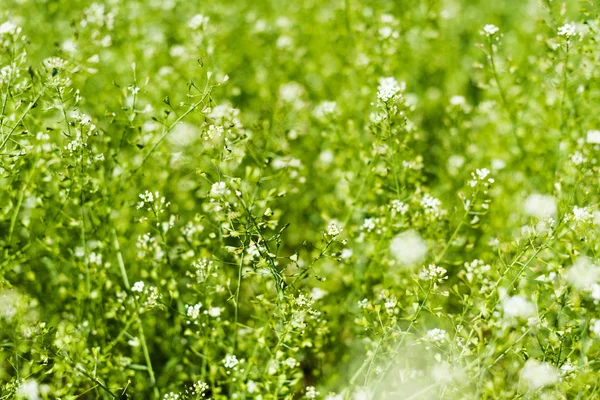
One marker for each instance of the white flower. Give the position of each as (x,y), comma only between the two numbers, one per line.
(369,224)
(430,204)
(577,158)
(194,311)
(583,274)
(388,88)
(538,374)
(437,335)
(518,307)
(581,214)
(29,390)
(399,206)
(540,206)
(311,392)
(593,136)
(482,173)
(490,30)
(138,287)
(334,229)
(567,30)
(230,361)
(408,248)
(218,189)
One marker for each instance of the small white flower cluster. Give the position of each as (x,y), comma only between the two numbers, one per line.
(150,294)
(193,312)
(480,176)
(226,116)
(399,207)
(390,303)
(433,273)
(334,229)
(490,30)
(230,362)
(75,146)
(436,336)
(370,224)
(54,63)
(577,158)
(567,30)
(214,132)
(203,269)
(581,214)
(431,205)
(191,228)
(148,245)
(311,392)
(219,189)
(477,270)
(389,88)
(198,388)
(152,202)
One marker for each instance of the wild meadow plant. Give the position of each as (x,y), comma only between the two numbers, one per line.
(299,200)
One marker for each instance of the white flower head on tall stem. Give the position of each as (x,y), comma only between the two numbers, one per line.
(490,30)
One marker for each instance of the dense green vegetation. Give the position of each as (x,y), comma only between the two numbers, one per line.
(299,200)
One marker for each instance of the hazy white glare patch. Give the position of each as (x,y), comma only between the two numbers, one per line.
(9,303)
(583,274)
(408,248)
(540,206)
(183,134)
(29,390)
(518,307)
(536,374)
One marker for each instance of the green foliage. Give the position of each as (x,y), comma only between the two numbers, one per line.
(299,200)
